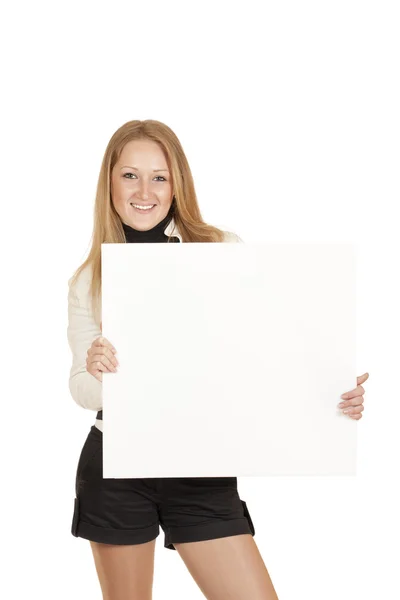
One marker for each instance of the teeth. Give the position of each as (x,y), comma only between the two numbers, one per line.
(143,207)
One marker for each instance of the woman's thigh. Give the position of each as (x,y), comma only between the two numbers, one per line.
(229,567)
(125,572)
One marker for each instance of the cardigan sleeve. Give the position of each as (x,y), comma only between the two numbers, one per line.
(82,330)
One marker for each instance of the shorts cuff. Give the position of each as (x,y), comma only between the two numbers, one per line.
(106,535)
(206,531)
(117,536)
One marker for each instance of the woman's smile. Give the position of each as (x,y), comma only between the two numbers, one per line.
(144,208)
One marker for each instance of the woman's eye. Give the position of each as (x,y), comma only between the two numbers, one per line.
(125,175)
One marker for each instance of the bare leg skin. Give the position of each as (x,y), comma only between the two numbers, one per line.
(229,568)
(125,572)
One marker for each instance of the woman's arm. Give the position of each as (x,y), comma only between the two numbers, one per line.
(82,330)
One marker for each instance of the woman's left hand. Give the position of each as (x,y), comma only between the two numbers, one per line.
(352,403)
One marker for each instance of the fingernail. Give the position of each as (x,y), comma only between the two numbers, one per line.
(341,404)
(347,410)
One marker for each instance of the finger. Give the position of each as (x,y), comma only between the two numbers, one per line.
(356,417)
(362,378)
(97,350)
(354,410)
(352,402)
(358,391)
(106,351)
(102,341)
(105,342)
(111,356)
(104,361)
(93,366)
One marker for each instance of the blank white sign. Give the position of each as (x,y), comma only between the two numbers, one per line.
(232,359)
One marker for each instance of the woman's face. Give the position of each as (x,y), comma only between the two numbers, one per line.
(141,177)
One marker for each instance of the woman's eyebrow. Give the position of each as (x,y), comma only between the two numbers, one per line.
(154,170)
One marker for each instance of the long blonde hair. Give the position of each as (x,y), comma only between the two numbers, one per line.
(107,227)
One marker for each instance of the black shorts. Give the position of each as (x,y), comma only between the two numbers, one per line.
(129,511)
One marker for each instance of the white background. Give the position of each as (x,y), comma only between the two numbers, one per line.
(288,113)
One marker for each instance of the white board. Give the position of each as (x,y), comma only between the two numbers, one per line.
(232,359)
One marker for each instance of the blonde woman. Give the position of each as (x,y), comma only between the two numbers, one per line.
(146,193)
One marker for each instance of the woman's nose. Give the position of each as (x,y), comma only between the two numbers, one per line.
(144,189)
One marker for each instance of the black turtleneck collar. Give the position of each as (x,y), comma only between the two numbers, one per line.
(156,234)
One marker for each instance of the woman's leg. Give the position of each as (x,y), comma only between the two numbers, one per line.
(125,572)
(229,567)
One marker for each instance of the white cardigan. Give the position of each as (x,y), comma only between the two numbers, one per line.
(82,330)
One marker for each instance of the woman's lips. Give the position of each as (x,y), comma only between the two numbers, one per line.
(143,210)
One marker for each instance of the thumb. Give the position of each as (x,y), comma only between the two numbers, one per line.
(362,378)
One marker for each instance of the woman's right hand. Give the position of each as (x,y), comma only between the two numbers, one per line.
(100,358)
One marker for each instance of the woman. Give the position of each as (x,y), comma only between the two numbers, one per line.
(146,193)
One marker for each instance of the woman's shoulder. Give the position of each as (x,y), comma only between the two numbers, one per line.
(231,237)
